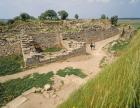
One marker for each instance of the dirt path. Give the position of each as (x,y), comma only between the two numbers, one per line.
(88,63)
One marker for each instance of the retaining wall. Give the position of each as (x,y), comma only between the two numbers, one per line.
(68,54)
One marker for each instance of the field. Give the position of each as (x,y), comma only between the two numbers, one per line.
(133,23)
(117,85)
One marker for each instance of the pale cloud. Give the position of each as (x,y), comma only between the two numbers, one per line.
(100,1)
(134,1)
(85,8)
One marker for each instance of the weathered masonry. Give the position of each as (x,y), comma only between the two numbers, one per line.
(32,39)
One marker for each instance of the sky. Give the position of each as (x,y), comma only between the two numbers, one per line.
(84,8)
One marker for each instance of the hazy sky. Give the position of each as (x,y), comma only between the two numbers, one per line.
(85,8)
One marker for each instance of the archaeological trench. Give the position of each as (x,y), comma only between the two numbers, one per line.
(30,39)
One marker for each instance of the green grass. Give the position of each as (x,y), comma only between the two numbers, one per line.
(71,71)
(14,88)
(117,85)
(120,45)
(54,49)
(10,64)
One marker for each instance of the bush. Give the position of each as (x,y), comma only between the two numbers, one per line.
(14,88)
(10,64)
(71,71)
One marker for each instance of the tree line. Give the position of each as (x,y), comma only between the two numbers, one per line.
(53,15)
(113,19)
(47,15)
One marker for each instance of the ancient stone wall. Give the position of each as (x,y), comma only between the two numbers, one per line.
(9,45)
(128,33)
(35,60)
(84,31)
(91,34)
(46,40)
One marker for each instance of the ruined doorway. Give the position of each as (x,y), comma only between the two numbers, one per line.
(36,46)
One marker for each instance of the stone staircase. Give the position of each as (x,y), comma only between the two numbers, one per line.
(28,50)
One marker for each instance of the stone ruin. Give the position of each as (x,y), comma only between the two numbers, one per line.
(32,38)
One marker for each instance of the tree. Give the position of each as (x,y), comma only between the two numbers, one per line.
(103,16)
(76,16)
(49,14)
(24,16)
(42,16)
(63,14)
(114,20)
(32,18)
(17,18)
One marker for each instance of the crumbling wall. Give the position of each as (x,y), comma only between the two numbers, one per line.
(86,31)
(46,40)
(128,33)
(35,60)
(91,34)
(9,45)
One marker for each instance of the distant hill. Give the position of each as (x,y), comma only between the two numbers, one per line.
(4,20)
(129,18)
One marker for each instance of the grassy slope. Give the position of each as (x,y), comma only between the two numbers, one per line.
(117,86)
